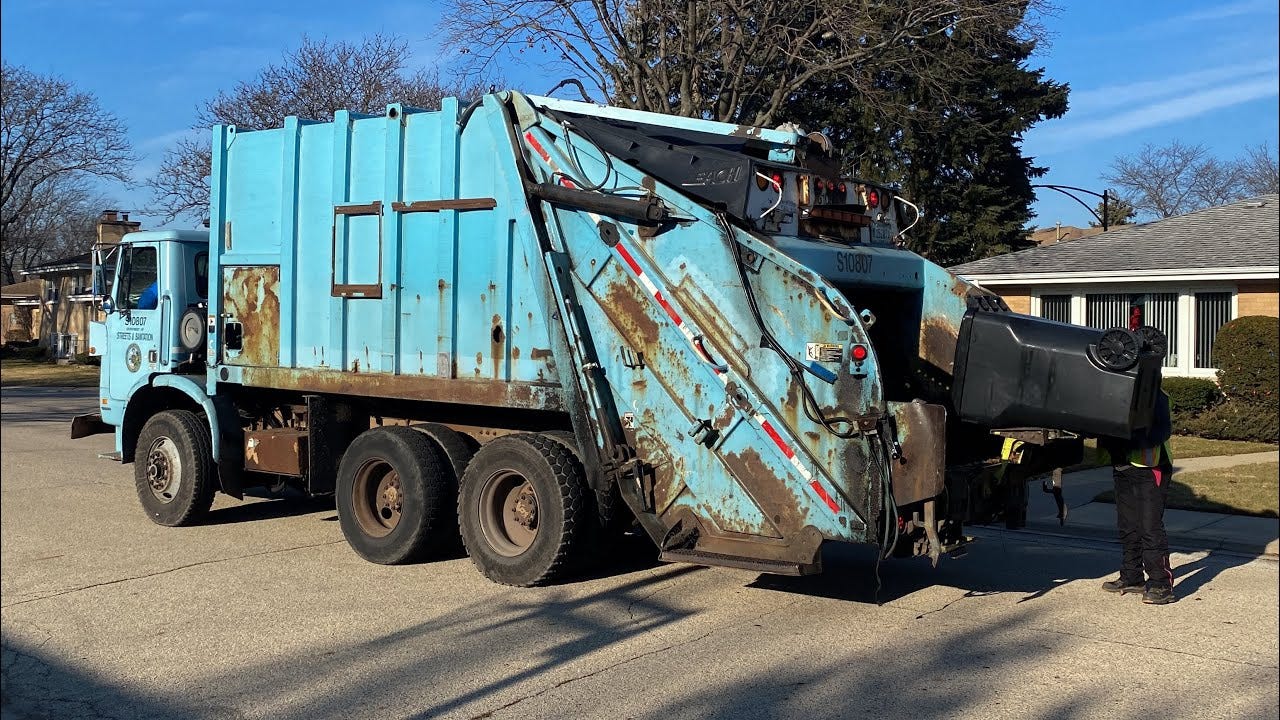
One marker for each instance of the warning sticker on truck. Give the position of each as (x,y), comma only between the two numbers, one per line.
(823,352)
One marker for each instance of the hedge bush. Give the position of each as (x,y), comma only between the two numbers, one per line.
(1247,353)
(1233,420)
(1190,395)
(24,352)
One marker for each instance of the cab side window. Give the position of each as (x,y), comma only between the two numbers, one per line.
(138,287)
(202,275)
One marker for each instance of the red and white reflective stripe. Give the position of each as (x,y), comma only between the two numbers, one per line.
(653,290)
(795,462)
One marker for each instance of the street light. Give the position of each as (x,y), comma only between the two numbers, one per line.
(1106,198)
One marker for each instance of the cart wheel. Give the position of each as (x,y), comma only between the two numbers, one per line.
(521,510)
(394,495)
(173,469)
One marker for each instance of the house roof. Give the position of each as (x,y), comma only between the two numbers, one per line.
(23,290)
(83,261)
(1239,236)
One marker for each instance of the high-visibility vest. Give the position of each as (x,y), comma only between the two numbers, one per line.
(1146,457)
(1150,457)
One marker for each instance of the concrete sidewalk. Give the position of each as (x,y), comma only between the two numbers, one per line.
(1186,528)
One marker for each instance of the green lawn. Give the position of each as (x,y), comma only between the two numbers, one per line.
(28,373)
(1240,490)
(1183,447)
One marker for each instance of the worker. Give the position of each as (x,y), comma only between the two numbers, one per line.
(1142,469)
(149,298)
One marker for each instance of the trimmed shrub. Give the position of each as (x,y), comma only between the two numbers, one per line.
(24,352)
(1190,395)
(1247,353)
(1234,420)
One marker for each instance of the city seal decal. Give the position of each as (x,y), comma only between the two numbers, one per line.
(133,357)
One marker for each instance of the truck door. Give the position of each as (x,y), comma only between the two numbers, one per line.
(134,327)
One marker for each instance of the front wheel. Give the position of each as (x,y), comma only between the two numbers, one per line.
(173,468)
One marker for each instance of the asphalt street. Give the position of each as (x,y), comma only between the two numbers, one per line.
(264,612)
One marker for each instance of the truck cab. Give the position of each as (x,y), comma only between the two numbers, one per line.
(155,299)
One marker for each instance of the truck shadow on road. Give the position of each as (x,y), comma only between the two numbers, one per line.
(993,565)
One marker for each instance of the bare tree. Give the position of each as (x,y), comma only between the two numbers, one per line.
(730,60)
(54,139)
(62,220)
(1174,179)
(1259,171)
(312,81)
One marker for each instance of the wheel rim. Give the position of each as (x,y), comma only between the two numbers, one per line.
(164,469)
(377,498)
(509,516)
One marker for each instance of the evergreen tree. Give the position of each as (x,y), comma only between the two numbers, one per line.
(957,153)
(1117,212)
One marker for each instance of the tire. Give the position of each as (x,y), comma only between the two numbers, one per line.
(522,510)
(458,449)
(394,495)
(613,517)
(173,468)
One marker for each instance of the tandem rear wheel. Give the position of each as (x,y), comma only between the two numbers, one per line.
(524,510)
(396,492)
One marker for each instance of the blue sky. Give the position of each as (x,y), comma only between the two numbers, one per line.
(1140,72)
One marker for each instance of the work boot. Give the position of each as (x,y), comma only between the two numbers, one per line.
(1158,595)
(1123,587)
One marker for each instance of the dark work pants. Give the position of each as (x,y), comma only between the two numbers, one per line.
(1140,497)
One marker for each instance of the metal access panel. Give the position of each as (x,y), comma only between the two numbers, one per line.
(251,314)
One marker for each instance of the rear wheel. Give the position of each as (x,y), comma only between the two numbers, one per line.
(173,469)
(394,495)
(521,510)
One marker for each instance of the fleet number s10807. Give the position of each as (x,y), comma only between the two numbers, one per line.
(853,263)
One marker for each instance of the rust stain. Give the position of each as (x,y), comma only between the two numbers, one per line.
(251,296)
(538,396)
(632,315)
(938,344)
(777,500)
(497,348)
(540,353)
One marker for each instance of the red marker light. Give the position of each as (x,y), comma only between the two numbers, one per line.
(873,198)
(830,186)
(844,188)
(859,353)
(777,179)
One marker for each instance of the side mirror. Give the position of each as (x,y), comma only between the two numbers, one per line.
(108,305)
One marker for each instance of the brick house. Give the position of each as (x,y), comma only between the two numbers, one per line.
(1187,275)
(66,298)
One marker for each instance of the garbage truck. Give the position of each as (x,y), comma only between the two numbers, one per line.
(531,325)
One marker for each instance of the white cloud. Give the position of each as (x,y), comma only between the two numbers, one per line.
(1085,102)
(1067,134)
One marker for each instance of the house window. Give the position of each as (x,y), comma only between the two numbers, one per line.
(1212,311)
(1056,308)
(1106,311)
(1160,310)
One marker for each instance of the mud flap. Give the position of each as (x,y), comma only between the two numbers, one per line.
(90,424)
